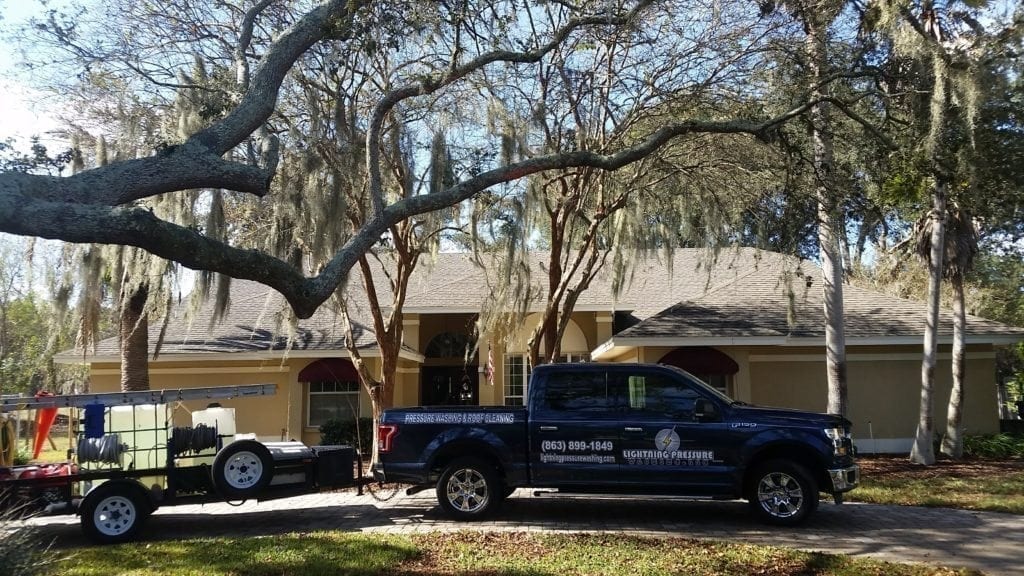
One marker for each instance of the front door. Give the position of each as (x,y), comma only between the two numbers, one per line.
(448,386)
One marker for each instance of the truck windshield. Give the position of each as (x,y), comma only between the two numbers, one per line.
(704,385)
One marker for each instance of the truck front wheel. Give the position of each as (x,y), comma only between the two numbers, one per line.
(783,493)
(469,489)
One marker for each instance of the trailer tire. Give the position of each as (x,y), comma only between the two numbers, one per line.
(242,469)
(469,489)
(114,512)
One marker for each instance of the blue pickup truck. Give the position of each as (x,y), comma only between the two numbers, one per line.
(623,429)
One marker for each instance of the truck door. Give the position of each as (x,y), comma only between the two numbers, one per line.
(667,442)
(574,430)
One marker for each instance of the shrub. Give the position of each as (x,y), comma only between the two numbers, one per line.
(21,458)
(994,446)
(21,549)
(344,432)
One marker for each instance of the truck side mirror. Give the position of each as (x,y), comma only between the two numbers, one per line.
(705,410)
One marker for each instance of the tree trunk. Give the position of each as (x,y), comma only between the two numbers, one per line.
(134,338)
(923,452)
(829,221)
(953,442)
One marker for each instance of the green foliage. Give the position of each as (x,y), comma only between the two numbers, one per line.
(338,432)
(994,446)
(21,458)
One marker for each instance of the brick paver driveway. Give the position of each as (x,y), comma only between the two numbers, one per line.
(987,541)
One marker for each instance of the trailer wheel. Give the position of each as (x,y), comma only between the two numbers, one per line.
(114,513)
(469,489)
(242,469)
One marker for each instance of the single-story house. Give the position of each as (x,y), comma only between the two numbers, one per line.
(749,322)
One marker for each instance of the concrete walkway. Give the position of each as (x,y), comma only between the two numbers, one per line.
(991,542)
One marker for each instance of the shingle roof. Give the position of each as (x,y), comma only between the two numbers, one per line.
(782,297)
(736,293)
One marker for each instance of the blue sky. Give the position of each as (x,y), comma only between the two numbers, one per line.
(22,117)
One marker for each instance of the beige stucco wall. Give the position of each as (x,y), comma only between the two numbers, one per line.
(884,387)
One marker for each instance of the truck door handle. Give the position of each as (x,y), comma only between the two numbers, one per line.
(548,428)
(633,429)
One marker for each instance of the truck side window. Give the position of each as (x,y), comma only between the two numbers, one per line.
(581,392)
(660,395)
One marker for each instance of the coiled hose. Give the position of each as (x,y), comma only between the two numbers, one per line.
(193,440)
(8,443)
(107,449)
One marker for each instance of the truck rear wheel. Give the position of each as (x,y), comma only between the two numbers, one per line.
(242,469)
(783,493)
(469,489)
(114,513)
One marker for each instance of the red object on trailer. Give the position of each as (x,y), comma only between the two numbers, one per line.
(44,421)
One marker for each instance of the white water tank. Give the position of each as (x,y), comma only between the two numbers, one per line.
(144,429)
(220,418)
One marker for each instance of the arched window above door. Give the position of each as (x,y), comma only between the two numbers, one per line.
(448,345)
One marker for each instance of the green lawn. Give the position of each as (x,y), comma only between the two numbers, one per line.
(335,553)
(990,485)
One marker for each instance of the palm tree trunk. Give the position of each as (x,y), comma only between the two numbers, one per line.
(953,441)
(134,339)
(829,221)
(923,452)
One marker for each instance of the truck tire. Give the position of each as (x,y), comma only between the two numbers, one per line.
(469,489)
(782,493)
(114,512)
(242,469)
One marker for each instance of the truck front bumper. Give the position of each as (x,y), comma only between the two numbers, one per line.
(844,479)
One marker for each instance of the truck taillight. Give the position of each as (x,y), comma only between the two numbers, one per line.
(385,433)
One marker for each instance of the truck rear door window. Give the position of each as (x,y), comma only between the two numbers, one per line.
(582,392)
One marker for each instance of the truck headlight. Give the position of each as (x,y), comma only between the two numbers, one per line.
(837,436)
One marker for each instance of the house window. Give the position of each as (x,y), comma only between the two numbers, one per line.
(330,400)
(517,374)
(721,382)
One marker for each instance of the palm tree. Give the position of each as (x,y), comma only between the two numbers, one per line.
(961,248)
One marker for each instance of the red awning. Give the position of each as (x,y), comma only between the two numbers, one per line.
(329,370)
(700,360)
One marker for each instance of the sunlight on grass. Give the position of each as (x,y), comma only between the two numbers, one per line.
(993,494)
(464,553)
(293,554)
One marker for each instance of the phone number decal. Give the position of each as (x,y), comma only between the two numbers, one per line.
(577,446)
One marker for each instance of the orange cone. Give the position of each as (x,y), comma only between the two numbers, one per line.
(44,420)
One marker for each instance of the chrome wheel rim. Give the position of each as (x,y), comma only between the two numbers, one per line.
(115,515)
(243,470)
(780,495)
(467,490)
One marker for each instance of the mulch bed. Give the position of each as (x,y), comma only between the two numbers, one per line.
(900,467)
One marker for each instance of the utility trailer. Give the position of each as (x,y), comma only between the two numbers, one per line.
(117,475)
